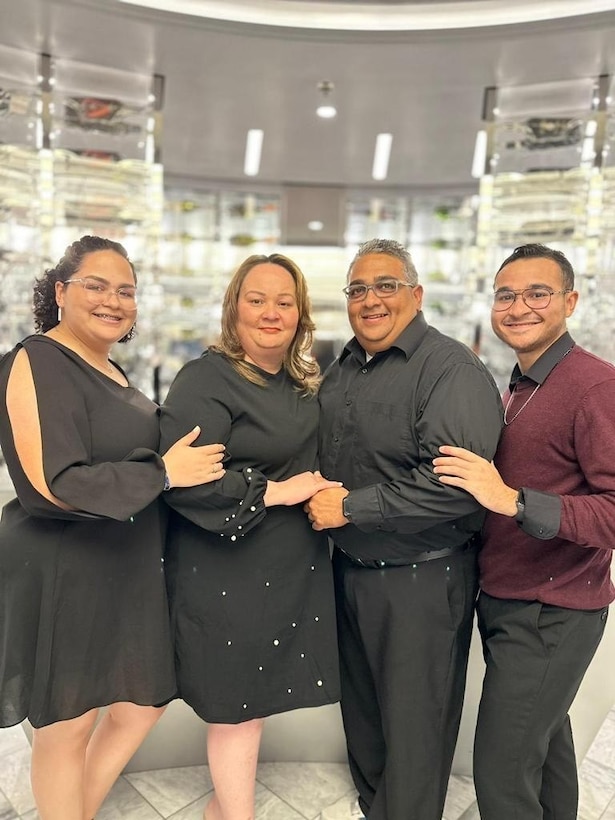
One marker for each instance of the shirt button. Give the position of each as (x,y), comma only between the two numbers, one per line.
(363,370)
(348,402)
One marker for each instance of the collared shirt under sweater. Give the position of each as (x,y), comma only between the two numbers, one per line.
(560,448)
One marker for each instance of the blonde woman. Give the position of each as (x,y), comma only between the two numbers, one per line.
(250,581)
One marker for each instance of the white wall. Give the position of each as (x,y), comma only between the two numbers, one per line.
(317,734)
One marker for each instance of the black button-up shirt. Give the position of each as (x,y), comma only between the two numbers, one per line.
(381,424)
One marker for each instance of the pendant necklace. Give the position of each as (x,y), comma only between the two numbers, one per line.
(523,406)
(529,398)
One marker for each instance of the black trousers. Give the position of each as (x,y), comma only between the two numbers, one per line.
(536,656)
(404,636)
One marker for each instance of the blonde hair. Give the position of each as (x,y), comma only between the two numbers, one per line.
(298,362)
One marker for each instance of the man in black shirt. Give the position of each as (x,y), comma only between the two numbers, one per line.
(405,552)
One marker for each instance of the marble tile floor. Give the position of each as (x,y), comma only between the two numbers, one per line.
(285,791)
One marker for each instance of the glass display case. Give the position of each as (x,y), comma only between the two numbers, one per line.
(369,216)
(441,239)
(204,237)
(20,98)
(77,150)
(549,179)
(548,207)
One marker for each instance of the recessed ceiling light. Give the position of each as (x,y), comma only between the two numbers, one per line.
(254,144)
(315,225)
(480,154)
(326,111)
(382,153)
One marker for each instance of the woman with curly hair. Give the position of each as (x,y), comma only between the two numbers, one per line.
(250,581)
(83,608)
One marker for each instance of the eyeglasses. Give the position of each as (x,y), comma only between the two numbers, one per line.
(534,298)
(383,288)
(97,292)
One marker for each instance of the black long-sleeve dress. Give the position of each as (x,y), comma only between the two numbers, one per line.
(250,588)
(83,610)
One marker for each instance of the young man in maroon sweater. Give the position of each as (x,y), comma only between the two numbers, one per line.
(547,542)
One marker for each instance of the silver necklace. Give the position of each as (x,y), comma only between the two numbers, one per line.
(523,406)
(529,398)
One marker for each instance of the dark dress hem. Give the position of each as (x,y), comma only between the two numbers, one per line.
(272,710)
(38,725)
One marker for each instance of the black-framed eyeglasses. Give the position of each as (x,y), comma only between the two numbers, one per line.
(97,292)
(534,298)
(356,292)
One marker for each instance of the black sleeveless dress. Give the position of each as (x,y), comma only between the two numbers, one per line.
(83,609)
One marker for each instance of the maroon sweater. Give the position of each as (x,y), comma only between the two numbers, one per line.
(561,449)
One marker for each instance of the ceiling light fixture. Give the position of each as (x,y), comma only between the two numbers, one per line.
(254,144)
(382,153)
(372,16)
(480,154)
(588,149)
(326,109)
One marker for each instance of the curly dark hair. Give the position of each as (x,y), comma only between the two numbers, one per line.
(44,303)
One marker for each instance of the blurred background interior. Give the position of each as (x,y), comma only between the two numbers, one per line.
(197,132)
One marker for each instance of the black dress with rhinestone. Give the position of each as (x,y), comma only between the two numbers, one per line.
(250,588)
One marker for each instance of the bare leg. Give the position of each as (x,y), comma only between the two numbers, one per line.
(232,752)
(58,762)
(114,741)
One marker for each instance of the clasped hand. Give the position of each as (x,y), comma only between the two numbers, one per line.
(324,509)
(296,489)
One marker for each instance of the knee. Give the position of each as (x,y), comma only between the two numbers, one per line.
(134,716)
(65,733)
(248,729)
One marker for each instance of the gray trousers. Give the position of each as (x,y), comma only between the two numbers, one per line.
(536,657)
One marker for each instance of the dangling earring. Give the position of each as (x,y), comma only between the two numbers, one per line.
(59,314)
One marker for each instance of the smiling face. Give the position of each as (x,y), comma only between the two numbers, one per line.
(527,331)
(377,321)
(97,325)
(267,315)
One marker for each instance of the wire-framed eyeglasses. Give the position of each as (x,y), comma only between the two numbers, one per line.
(356,292)
(98,291)
(534,298)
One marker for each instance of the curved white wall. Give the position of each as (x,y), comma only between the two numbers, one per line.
(317,734)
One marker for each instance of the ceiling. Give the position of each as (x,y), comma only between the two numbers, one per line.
(222,77)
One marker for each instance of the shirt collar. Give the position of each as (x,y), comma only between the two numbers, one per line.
(407,341)
(545,363)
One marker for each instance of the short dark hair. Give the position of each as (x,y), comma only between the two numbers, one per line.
(44,303)
(534,250)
